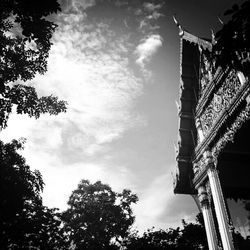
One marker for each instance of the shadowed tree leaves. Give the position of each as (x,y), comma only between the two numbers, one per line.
(25,41)
(191,236)
(25,37)
(98,217)
(24,221)
(26,101)
(232,48)
(154,240)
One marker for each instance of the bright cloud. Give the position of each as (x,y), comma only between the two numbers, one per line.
(88,67)
(151,6)
(93,75)
(147,48)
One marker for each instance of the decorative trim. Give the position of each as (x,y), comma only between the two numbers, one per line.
(202,196)
(231,131)
(200,172)
(209,193)
(194,39)
(221,119)
(204,98)
(221,101)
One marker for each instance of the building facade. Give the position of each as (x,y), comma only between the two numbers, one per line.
(213,155)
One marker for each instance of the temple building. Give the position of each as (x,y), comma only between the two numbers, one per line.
(213,153)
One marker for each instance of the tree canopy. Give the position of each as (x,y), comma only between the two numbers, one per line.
(25,36)
(24,221)
(98,217)
(25,41)
(232,47)
(191,236)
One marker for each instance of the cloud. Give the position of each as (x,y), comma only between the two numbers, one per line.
(88,67)
(151,7)
(147,48)
(149,14)
(76,6)
(158,206)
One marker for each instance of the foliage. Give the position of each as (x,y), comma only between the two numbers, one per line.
(191,236)
(25,38)
(26,101)
(24,221)
(232,48)
(98,217)
(154,240)
(25,41)
(241,242)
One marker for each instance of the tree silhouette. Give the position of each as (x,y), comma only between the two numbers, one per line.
(24,221)
(192,236)
(232,47)
(25,38)
(153,240)
(26,101)
(98,217)
(25,41)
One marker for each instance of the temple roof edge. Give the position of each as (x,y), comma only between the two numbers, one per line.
(201,42)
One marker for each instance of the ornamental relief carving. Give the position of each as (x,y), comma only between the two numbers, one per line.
(199,166)
(231,131)
(207,70)
(220,102)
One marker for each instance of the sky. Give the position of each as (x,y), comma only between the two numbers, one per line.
(116,63)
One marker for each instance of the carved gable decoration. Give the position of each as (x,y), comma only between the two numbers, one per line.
(220,102)
(206,70)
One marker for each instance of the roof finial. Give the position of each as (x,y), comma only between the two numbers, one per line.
(181,31)
(221,22)
(213,36)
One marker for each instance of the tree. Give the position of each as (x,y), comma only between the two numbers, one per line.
(98,217)
(25,37)
(24,221)
(232,47)
(25,41)
(154,240)
(192,236)
(26,101)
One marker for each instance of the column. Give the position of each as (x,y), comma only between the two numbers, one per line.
(219,204)
(208,218)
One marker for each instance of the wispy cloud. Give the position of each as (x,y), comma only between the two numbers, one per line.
(151,7)
(150,13)
(76,6)
(147,48)
(91,67)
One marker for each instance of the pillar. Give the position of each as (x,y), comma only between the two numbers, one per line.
(208,218)
(219,204)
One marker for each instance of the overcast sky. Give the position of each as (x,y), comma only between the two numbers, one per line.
(116,63)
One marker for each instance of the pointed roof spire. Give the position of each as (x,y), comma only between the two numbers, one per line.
(213,36)
(220,20)
(181,30)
